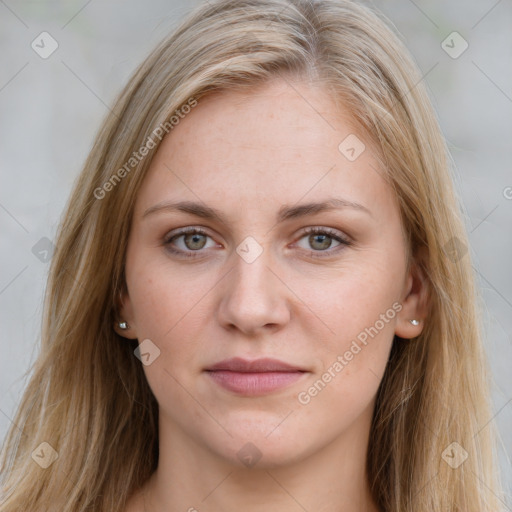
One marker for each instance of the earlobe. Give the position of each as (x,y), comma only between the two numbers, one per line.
(125,330)
(408,328)
(124,324)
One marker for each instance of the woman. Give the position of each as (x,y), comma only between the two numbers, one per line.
(257,299)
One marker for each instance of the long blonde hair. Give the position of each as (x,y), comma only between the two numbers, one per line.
(88,397)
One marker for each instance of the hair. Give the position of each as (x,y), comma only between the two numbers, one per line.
(88,397)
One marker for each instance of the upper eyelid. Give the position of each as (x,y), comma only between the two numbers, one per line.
(185,230)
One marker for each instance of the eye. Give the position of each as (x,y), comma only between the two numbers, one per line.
(320,240)
(193,240)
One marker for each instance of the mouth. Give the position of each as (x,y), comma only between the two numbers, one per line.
(253,378)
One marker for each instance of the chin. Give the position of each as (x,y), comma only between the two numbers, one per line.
(255,450)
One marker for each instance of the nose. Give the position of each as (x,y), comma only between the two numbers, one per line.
(254,297)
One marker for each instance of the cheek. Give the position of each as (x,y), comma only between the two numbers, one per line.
(164,297)
(167,308)
(353,298)
(360,309)
(171,306)
(352,370)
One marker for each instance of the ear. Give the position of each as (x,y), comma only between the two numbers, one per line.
(125,314)
(414,299)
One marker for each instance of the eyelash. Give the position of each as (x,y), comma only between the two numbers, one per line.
(344,242)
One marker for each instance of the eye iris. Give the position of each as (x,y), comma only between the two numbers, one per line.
(194,237)
(325,241)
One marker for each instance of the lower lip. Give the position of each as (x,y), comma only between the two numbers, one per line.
(251,384)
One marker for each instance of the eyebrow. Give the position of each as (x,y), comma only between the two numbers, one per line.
(286,212)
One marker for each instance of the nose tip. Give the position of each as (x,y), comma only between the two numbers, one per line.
(253,296)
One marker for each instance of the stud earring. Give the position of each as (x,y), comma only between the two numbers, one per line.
(123,325)
(414,322)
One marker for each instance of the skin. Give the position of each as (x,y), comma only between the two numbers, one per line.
(247,155)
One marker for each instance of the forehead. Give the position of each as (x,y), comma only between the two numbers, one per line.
(275,144)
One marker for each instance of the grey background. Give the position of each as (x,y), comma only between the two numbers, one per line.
(51,108)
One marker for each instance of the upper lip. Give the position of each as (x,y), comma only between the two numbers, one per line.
(237,364)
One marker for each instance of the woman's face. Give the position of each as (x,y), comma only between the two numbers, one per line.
(254,283)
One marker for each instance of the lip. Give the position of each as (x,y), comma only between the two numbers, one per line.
(265,364)
(252,378)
